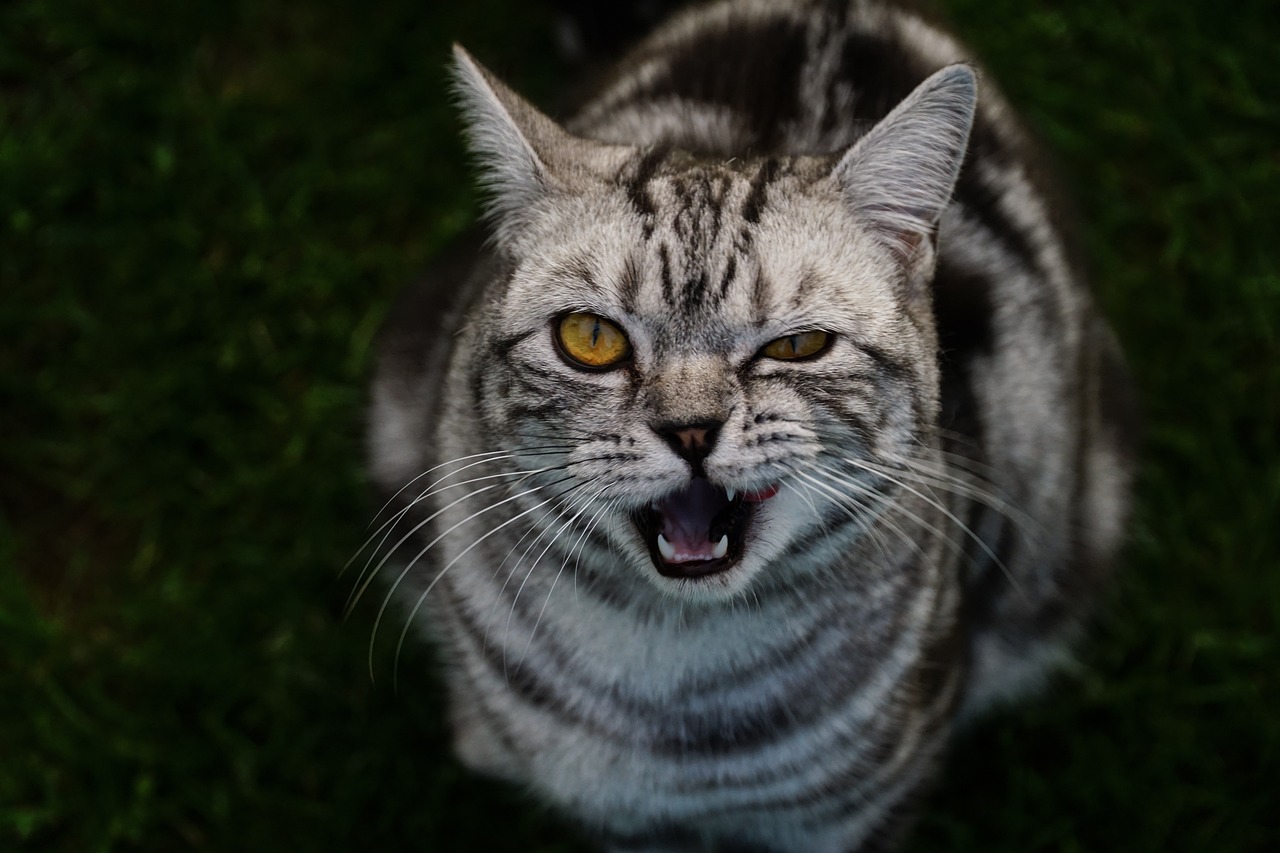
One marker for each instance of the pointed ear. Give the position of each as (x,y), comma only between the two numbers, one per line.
(899,177)
(524,156)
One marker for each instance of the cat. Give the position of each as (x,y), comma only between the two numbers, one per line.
(771,434)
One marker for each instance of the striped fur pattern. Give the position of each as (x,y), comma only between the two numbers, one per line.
(930,502)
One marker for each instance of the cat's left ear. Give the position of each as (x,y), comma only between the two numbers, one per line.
(525,157)
(899,178)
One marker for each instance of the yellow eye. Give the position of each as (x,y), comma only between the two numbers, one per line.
(592,341)
(800,345)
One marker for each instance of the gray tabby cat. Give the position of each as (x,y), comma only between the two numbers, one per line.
(772,434)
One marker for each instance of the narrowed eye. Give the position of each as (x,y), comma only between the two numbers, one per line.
(799,345)
(591,341)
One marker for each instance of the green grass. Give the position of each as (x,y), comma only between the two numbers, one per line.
(205,211)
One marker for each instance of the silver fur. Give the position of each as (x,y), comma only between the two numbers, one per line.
(953,472)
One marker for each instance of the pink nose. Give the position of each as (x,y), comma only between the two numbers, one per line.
(691,442)
(692,438)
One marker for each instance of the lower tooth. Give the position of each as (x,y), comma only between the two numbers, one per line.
(722,547)
(666,549)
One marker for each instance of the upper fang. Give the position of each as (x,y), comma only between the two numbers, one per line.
(732,493)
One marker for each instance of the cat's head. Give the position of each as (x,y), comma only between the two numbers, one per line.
(728,357)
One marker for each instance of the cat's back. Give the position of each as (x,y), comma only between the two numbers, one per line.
(760,77)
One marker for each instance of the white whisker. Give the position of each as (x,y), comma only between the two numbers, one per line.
(390,523)
(354,600)
(867,522)
(440,574)
(936,504)
(574,501)
(606,509)
(849,505)
(534,630)
(940,477)
(482,456)
(542,530)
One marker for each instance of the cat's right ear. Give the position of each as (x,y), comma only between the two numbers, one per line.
(525,158)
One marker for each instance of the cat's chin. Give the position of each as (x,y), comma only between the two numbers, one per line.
(698,534)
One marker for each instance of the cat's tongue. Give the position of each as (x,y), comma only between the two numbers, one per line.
(685,523)
(697,524)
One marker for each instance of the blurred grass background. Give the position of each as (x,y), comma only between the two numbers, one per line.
(206,209)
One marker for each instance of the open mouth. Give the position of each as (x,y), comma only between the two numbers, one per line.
(699,530)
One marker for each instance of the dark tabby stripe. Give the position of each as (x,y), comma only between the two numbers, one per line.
(795,692)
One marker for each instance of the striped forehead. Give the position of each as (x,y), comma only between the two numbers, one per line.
(698,232)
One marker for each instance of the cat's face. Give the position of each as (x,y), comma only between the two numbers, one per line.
(714,361)
(707,351)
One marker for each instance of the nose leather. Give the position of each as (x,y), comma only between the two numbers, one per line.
(691,442)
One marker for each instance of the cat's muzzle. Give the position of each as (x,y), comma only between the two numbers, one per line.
(699,530)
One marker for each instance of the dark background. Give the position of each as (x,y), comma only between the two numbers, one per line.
(206,209)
